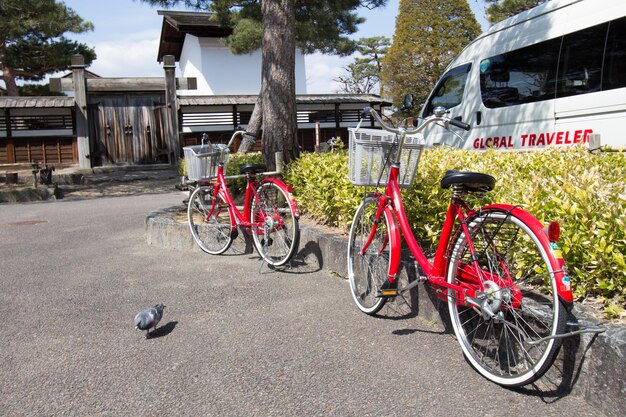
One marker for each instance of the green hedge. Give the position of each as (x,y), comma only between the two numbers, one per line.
(584,192)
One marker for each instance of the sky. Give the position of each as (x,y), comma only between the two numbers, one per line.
(126,39)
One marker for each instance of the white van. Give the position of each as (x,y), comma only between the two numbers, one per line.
(554,75)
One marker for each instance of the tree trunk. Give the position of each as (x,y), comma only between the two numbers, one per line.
(253,131)
(278,80)
(9,81)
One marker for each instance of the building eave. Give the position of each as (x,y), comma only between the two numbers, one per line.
(176,25)
(221,100)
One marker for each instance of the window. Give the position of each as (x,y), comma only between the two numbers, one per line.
(449,92)
(580,66)
(614,75)
(522,76)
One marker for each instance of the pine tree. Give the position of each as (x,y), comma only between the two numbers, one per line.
(501,9)
(32,42)
(428,35)
(277,27)
(363,75)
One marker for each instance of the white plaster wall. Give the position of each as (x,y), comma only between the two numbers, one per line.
(220,72)
(191,66)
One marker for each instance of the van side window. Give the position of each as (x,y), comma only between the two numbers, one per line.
(614,75)
(580,66)
(522,76)
(449,91)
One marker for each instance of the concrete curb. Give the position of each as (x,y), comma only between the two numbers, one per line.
(589,366)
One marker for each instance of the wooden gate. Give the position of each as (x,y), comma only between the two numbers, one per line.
(124,129)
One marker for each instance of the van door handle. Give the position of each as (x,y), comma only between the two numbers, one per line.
(479,117)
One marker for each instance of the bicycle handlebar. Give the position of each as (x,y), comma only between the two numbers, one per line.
(235,134)
(460,124)
(439,115)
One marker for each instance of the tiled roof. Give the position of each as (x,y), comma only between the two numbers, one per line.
(63,101)
(300,99)
(40,102)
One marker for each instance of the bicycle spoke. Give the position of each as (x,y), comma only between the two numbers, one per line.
(367,271)
(209,221)
(512,267)
(276,233)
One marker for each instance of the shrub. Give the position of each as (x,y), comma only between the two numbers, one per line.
(322,188)
(584,192)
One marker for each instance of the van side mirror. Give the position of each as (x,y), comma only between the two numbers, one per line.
(408,102)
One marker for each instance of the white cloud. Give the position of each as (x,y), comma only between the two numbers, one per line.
(133,57)
(321,70)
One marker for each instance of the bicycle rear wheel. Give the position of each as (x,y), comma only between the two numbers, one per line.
(277,239)
(210,225)
(368,272)
(512,347)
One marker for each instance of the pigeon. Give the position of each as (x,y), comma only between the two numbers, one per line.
(148,318)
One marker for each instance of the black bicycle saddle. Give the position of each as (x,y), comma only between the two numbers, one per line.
(255,168)
(472,181)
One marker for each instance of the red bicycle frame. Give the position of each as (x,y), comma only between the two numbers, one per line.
(472,275)
(237,218)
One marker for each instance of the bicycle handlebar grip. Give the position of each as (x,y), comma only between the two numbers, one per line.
(366,112)
(460,124)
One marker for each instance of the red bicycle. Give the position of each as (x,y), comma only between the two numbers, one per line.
(270,213)
(498,269)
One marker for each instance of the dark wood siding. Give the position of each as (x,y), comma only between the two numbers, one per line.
(45,150)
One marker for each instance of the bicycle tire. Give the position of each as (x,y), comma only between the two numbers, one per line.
(214,234)
(277,240)
(368,272)
(501,348)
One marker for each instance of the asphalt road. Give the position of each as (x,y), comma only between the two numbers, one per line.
(235,340)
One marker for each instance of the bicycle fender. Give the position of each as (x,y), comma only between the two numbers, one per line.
(562,279)
(287,189)
(396,243)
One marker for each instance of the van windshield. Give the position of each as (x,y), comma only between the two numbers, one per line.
(449,91)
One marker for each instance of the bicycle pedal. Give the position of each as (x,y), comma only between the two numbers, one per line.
(387,293)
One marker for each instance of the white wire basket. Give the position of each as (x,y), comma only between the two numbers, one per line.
(202,160)
(372,151)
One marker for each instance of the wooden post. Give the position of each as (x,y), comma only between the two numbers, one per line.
(82,122)
(171,101)
(10,144)
(7,118)
(317,137)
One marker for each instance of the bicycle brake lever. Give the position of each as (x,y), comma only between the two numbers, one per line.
(457,135)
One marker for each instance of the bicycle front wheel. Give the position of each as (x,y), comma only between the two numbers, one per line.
(368,269)
(210,221)
(276,233)
(509,341)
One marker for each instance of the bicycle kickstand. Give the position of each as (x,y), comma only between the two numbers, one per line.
(582,328)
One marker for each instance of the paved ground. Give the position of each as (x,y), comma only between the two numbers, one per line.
(235,340)
(74,183)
